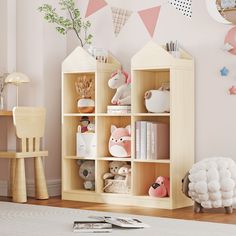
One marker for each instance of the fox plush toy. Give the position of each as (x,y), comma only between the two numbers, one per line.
(120,141)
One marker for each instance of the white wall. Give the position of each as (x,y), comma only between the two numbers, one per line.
(40,50)
(38,53)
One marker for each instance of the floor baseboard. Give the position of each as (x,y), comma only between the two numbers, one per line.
(54,188)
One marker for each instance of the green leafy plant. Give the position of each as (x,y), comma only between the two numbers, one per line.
(74,21)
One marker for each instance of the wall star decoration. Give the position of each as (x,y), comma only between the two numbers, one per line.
(119,17)
(149,17)
(224,71)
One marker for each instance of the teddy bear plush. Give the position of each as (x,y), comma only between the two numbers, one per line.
(161,187)
(114,167)
(87,173)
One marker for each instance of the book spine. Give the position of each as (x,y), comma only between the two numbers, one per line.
(137,139)
(143,140)
(162,142)
(148,138)
(153,144)
(155,141)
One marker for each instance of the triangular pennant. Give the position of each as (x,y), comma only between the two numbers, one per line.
(119,17)
(149,17)
(94,5)
(184,6)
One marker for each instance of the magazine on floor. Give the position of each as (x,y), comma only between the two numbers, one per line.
(92,227)
(123,222)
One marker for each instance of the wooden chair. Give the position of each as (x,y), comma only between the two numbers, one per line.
(30,124)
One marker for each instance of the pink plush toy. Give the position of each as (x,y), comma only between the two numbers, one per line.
(161,188)
(120,141)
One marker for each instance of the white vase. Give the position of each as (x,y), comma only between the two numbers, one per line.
(86,105)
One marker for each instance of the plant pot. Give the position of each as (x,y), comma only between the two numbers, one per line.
(86,105)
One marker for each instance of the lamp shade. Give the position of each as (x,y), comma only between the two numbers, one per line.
(17,78)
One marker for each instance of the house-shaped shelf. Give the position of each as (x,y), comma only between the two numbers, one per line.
(81,63)
(154,56)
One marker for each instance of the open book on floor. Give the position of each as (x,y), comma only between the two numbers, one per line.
(123,222)
(92,227)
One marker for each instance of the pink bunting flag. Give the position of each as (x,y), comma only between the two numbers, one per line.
(94,6)
(149,18)
(119,17)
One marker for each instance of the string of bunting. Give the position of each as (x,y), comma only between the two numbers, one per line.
(148,16)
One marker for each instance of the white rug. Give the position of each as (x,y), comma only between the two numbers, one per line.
(30,220)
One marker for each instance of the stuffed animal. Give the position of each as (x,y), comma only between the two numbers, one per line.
(87,172)
(126,172)
(114,167)
(161,188)
(211,183)
(120,141)
(120,81)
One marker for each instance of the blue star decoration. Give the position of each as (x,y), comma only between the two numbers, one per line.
(224,71)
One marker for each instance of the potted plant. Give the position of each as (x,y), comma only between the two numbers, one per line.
(73,22)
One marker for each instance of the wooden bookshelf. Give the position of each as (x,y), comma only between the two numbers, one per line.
(151,66)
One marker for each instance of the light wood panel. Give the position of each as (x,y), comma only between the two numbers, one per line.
(5,113)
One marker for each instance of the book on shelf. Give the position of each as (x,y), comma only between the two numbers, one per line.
(152,140)
(122,222)
(92,227)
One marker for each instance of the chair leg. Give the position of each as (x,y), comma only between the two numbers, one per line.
(19,190)
(12,176)
(41,191)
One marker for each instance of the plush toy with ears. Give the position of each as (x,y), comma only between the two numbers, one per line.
(87,172)
(161,188)
(120,141)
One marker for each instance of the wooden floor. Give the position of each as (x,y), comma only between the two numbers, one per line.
(216,215)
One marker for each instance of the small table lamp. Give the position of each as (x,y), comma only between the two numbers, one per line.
(17,78)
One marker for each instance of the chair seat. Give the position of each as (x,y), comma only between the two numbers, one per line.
(11,154)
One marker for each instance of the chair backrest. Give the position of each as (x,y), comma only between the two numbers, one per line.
(30,125)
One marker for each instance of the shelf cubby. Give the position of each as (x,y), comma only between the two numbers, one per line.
(104,131)
(70,127)
(145,174)
(145,80)
(73,180)
(103,167)
(70,96)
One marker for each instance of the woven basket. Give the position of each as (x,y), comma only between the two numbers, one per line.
(116,186)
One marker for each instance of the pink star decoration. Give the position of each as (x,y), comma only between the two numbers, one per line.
(232,90)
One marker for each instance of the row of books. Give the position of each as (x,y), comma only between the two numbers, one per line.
(151,140)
